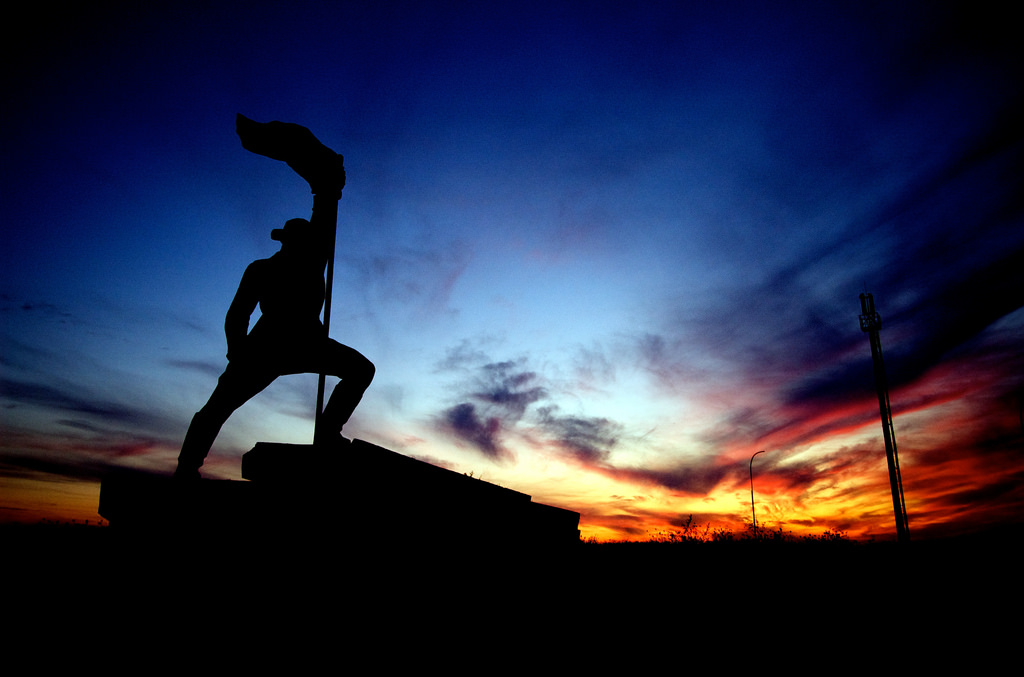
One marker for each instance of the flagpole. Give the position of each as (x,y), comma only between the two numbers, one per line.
(328,293)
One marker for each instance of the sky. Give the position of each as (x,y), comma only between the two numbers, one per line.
(600,252)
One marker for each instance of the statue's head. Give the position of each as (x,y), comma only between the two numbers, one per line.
(297,234)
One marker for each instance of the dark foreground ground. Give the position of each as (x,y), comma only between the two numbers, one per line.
(306,594)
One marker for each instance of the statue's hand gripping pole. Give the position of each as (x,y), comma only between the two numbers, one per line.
(324,170)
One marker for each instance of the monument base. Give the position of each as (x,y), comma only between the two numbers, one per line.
(356,490)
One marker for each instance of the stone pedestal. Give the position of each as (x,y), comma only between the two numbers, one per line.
(354,491)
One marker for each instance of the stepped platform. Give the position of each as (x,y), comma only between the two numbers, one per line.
(357,490)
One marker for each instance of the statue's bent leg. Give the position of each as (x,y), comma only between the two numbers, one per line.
(356,373)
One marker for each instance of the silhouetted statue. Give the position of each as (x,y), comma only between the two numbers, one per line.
(289,288)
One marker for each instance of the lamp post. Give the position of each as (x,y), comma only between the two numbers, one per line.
(752,513)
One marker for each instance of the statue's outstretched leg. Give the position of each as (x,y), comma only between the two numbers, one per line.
(202,431)
(234,389)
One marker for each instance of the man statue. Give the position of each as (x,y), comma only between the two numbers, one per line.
(289,288)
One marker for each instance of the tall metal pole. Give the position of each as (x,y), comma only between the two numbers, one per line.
(871,323)
(329,290)
(753,516)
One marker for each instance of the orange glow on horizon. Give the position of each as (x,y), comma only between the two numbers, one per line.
(51,500)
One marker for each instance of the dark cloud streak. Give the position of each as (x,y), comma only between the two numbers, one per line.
(464,422)
(500,395)
(588,440)
(22,392)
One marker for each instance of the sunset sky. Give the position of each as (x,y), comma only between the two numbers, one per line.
(599,252)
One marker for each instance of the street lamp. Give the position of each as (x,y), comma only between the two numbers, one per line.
(752,514)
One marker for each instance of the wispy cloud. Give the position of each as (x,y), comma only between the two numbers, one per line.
(84,454)
(204,367)
(465,423)
(498,397)
(25,393)
(588,440)
(404,279)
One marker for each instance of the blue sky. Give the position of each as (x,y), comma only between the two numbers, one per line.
(599,252)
